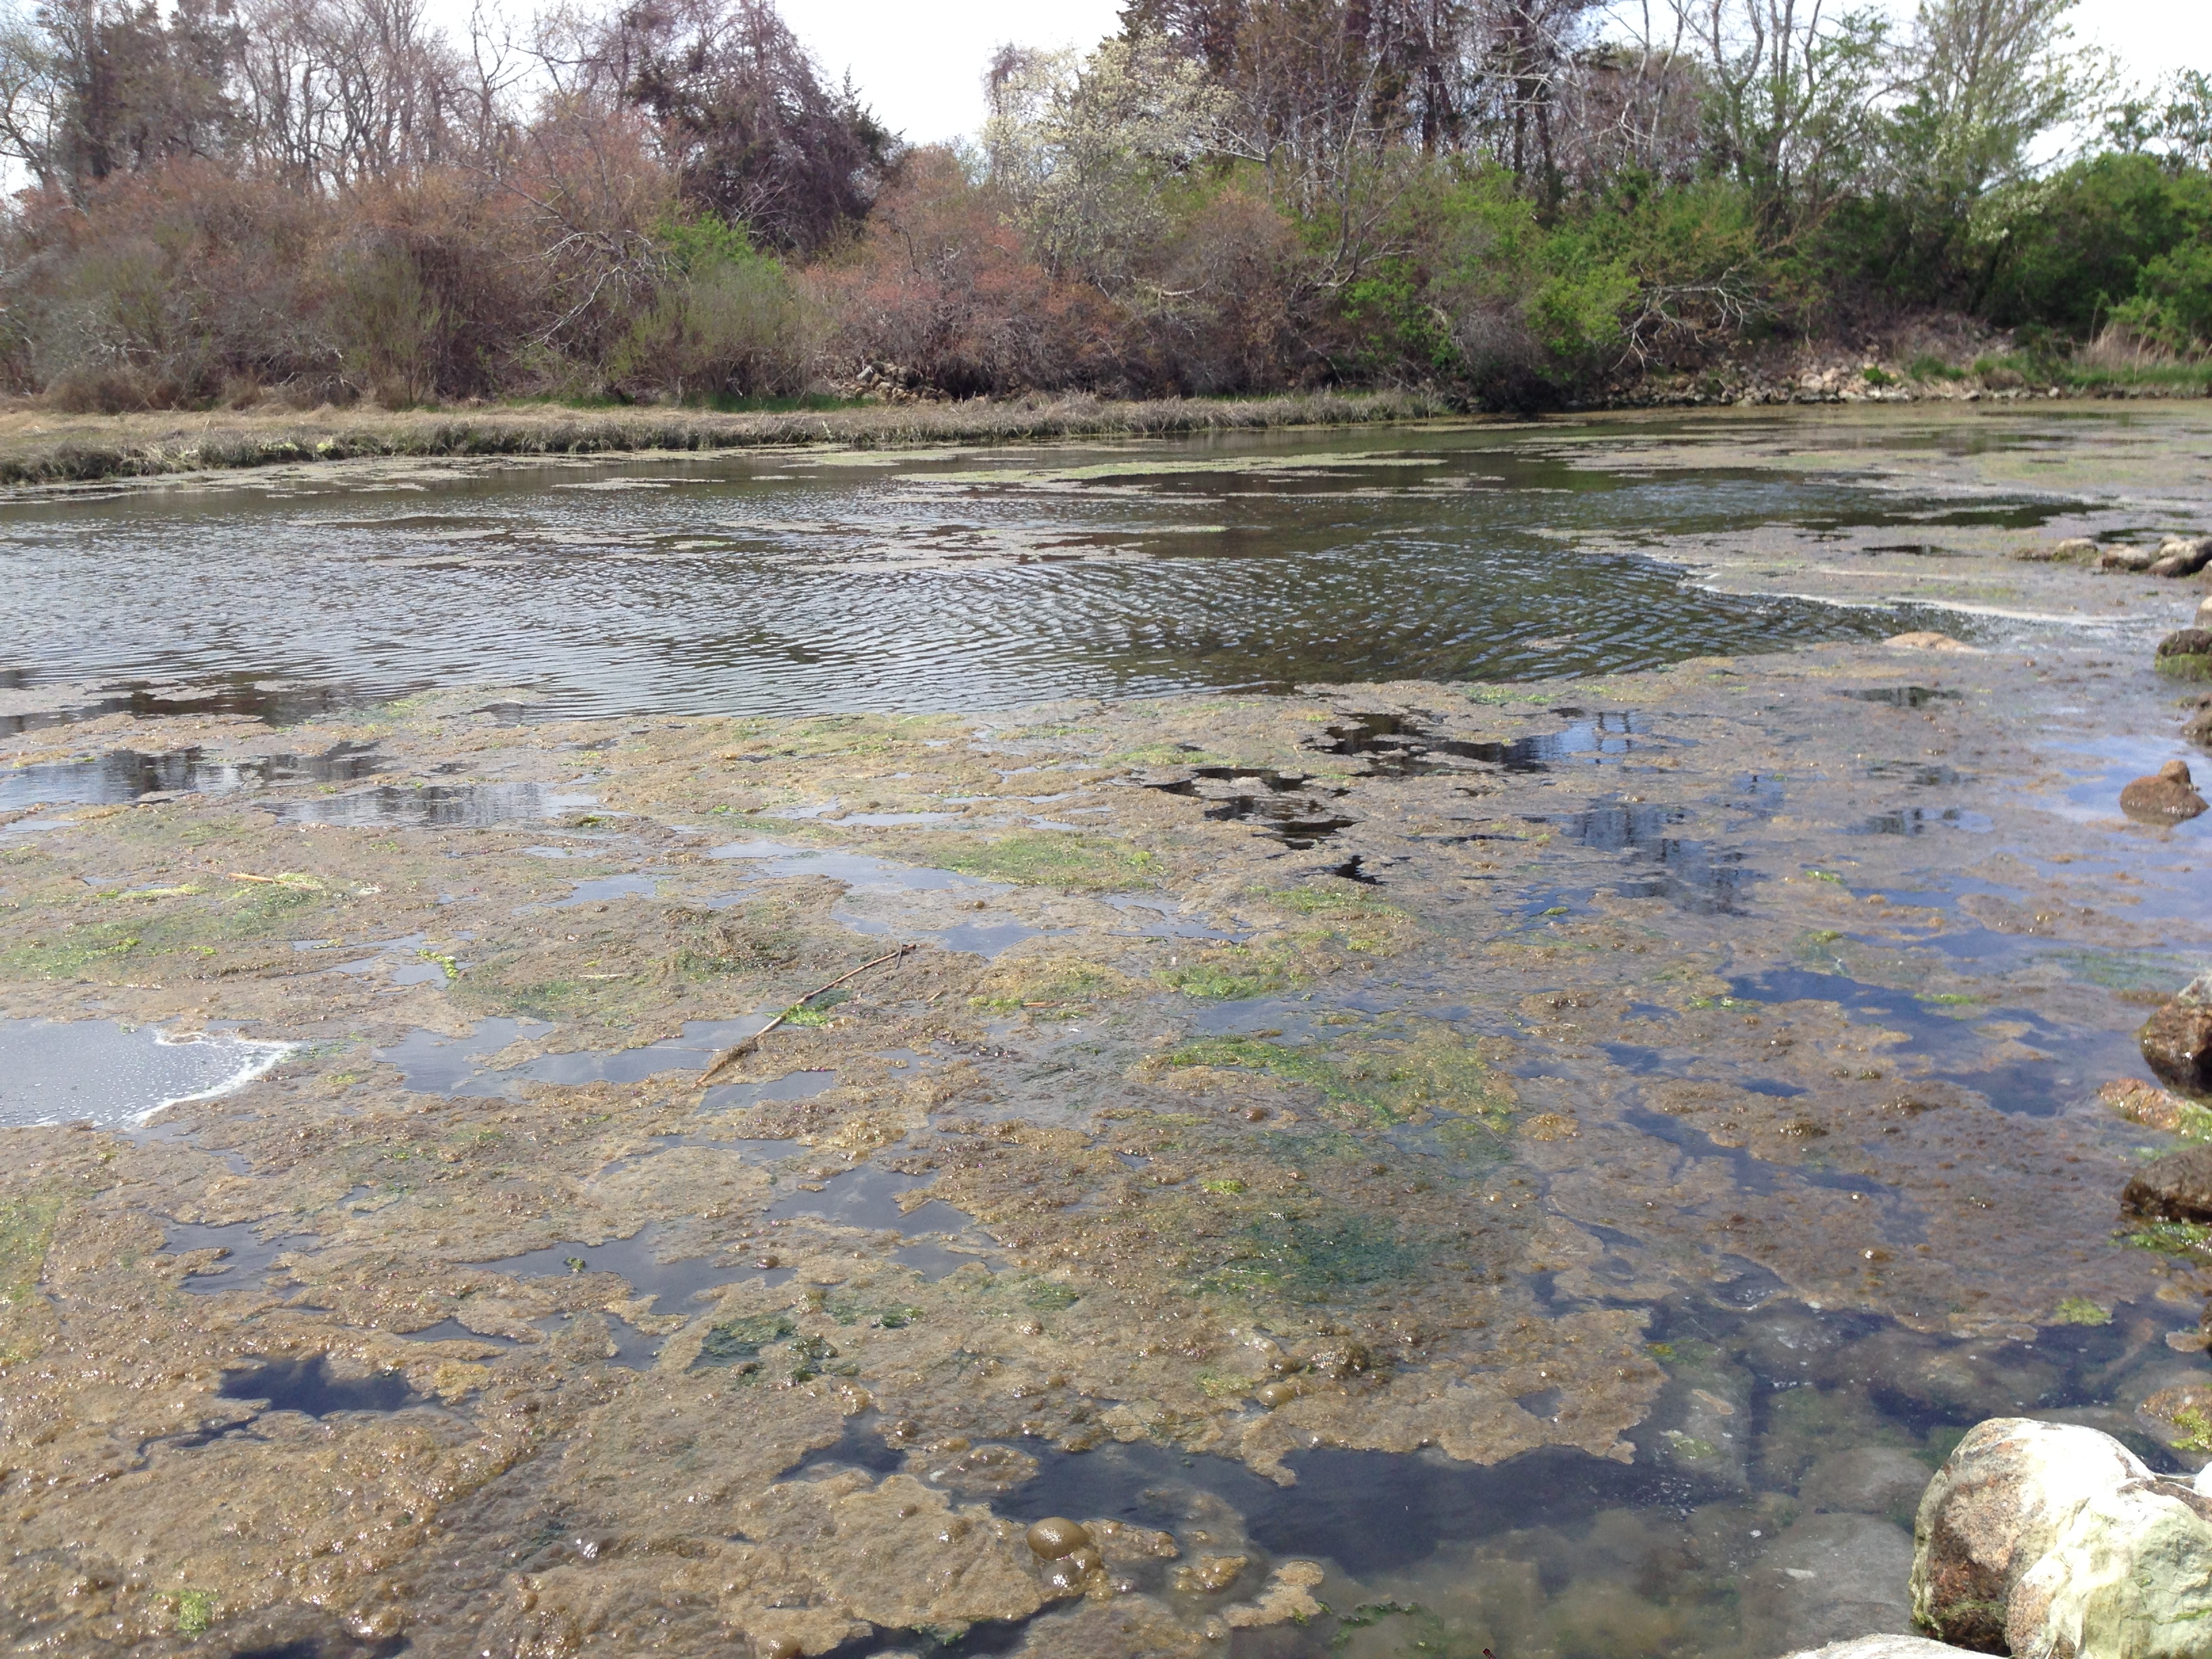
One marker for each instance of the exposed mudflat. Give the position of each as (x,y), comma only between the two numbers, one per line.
(1546,1167)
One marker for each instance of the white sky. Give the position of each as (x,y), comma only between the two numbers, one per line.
(919,63)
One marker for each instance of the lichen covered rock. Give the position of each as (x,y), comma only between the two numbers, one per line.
(2052,1541)
(2186,654)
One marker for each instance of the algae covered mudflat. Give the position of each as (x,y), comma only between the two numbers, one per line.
(1411,1166)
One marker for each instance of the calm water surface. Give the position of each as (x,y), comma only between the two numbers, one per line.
(783,583)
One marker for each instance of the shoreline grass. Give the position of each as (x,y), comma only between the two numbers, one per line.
(40,446)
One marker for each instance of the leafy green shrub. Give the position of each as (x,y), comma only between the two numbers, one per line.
(2066,250)
(726,321)
(2173,304)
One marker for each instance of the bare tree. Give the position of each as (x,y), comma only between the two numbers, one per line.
(1793,100)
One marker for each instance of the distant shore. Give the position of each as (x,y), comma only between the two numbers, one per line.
(40,446)
(43,446)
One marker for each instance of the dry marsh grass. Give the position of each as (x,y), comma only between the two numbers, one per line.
(39,445)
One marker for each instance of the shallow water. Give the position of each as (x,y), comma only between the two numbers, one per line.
(1692,1079)
(113,1075)
(799,583)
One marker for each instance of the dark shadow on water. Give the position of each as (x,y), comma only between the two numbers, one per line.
(2034,1086)
(1401,745)
(249,695)
(1904,696)
(1367,1511)
(306,1385)
(1287,805)
(1918,820)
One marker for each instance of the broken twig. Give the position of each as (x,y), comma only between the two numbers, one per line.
(746,1045)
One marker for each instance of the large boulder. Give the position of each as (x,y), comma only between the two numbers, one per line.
(1880,1647)
(2131,1577)
(2177,1044)
(2175,1188)
(2052,1541)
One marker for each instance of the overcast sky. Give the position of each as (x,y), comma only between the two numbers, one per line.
(919,63)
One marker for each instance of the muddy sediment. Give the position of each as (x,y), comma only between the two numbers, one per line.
(1397,1163)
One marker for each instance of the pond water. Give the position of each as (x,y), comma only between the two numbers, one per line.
(792,583)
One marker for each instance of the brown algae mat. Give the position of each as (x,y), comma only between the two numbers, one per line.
(1362,1073)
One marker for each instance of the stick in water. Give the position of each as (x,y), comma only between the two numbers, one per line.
(748,1044)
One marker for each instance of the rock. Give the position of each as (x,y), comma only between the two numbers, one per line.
(2205,613)
(1829,1577)
(2130,1578)
(1702,1424)
(2175,1412)
(2182,555)
(2186,654)
(1926,640)
(2075,550)
(2177,1045)
(1865,1481)
(1997,1507)
(2169,797)
(1880,1647)
(2175,1188)
(2131,559)
(2199,731)
(2145,1103)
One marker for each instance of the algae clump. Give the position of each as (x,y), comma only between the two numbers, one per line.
(1054,859)
(27,1228)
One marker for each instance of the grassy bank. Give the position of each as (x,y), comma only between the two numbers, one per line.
(39,445)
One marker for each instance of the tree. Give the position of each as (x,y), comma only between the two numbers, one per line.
(744,118)
(92,88)
(1792,99)
(1988,79)
(1085,152)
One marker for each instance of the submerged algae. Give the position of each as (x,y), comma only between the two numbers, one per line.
(1486,1132)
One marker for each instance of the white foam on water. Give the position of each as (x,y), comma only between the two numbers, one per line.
(115,1076)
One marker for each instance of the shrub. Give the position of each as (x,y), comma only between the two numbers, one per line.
(2067,250)
(726,322)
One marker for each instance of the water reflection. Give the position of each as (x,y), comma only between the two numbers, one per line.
(122,776)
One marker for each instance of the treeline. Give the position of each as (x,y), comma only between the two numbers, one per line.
(1509,201)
